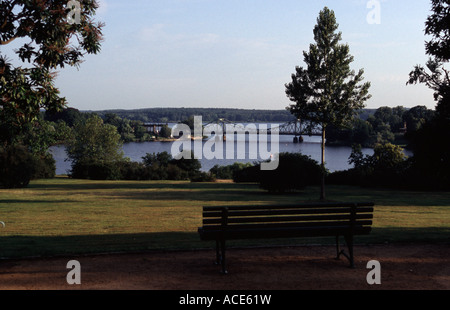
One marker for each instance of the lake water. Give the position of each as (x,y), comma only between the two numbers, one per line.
(336,156)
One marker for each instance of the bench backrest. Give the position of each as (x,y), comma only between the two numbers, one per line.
(315,216)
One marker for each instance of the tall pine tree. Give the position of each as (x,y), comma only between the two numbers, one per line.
(327,92)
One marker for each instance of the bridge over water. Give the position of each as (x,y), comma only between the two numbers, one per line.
(293,128)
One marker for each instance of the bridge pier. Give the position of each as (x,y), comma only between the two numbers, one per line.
(298,139)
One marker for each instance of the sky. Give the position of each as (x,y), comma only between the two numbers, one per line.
(240,53)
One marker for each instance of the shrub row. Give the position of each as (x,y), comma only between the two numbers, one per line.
(18,166)
(295,171)
(388,168)
(159,166)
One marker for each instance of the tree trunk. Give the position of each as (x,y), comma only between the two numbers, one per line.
(322,184)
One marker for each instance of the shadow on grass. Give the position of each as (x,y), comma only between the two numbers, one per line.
(166,190)
(59,183)
(28,201)
(389,197)
(15,247)
(237,191)
(47,246)
(226,195)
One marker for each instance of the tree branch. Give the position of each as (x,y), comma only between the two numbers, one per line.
(7,41)
(5,22)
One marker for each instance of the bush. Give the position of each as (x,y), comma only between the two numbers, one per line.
(190,166)
(387,167)
(295,171)
(159,166)
(175,173)
(45,167)
(130,170)
(230,171)
(17,166)
(247,175)
(203,177)
(164,167)
(96,171)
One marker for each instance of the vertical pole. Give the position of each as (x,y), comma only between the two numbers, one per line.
(222,239)
(338,252)
(322,185)
(218,256)
(351,234)
(349,241)
(222,245)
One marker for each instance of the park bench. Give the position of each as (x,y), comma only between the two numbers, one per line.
(224,223)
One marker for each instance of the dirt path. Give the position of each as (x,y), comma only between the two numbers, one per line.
(403,267)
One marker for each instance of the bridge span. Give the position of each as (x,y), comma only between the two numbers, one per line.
(292,128)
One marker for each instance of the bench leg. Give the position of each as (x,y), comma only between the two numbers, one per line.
(338,251)
(220,255)
(349,242)
(222,249)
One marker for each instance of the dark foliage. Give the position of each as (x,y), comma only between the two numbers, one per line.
(17,166)
(45,167)
(295,171)
(159,166)
(229,171)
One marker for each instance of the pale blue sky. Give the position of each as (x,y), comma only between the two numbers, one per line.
(239,53)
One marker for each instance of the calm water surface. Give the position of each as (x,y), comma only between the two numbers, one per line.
(336,156)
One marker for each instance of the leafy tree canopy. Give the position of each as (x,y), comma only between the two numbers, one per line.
(95,142)
(327,91)
(47,41)
(437,77)
(438,26)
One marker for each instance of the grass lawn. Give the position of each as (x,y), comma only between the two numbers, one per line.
(62,216)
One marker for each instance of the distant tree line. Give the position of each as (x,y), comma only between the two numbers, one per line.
(129,130)
(384,125)
(372,126)
(175,115)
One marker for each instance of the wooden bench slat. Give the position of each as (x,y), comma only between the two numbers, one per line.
(343,217)
(280,206)
(259,212)
(282,233)
(285,225)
